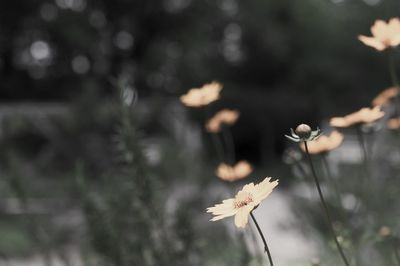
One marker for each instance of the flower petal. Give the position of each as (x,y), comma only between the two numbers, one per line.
(263,189)
(372,42)
(242,216)
(225,207)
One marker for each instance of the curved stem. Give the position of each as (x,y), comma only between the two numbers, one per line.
(321,196)
(263,239)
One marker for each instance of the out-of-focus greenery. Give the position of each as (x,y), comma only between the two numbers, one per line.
(125,184)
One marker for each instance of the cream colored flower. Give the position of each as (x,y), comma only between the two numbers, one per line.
(233,173)
(244,202)
(203,96)
(385,231)
(384,35)
(324,143)
(393,123)
(364,115)
(223,117)
(385,96)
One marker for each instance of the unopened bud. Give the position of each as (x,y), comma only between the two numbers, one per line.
(303,131)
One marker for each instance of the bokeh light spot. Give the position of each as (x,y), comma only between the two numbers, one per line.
(80,64)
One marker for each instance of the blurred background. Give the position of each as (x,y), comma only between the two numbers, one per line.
(102,165)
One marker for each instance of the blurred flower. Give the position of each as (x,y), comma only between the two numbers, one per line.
(385,231)
(384,35)
(364,115)
(198,97)
(291,156)
(244,202)
(315,262)
(393,123)
(233,173)
(223,117)
(303,132)
(385,96)
(324,143)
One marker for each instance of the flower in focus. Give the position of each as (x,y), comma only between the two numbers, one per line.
(393,123)
(303,132)
(324,143)
(223,117)
(203,96)
(384,35)
(385,96)
(364,115)
(233,173)
(244,202)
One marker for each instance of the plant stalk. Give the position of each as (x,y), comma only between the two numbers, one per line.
(325,207)
(266,249)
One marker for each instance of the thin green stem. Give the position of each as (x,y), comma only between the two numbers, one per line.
(266,249)
(395,82)
(325,207)
(219,148)
(331,179)
(229,144)
(396,252)
(364,151)
(216,140)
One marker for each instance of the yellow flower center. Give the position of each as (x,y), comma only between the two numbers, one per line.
(242,199)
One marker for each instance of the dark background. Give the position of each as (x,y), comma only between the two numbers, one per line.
(282,62)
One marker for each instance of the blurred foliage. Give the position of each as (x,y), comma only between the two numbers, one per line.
(129,179)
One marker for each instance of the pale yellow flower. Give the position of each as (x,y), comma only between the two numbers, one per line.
(198,97)
(223,117)
(364,115)
(384,35)
(385,96)
(233,173)
(324,143)
(244,202)
(385,231)
(393,123)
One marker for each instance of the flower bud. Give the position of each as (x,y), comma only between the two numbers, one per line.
(303,131)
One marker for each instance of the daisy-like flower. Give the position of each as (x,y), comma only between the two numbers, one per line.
(198,97)
(324,143)
(303,133)
(223,117)
(384,35)
(363,116)
(233,173)
(393,123)
(385,96)
(244,202)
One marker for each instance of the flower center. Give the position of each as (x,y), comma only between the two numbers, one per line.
(243,199)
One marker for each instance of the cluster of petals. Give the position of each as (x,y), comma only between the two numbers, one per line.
(244,202)
(384,34)
(223,117)
(232,173)
(364,115)
(198,97)
(385,96)
(324,143)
